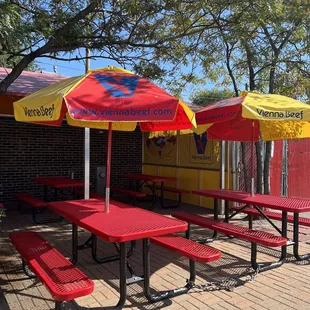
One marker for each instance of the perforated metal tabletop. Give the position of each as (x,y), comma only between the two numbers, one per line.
(273,202)
(122,223)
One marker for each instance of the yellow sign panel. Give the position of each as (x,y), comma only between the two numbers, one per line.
(197,151)
(160,150)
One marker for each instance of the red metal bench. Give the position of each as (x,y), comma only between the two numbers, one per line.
(80,193)
(253,236)
(30,200)
(62,279)
(134,195)
(188,248)
(34,203)
(177,191)
(194,251)
(273,215)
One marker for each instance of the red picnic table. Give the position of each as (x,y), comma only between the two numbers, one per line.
(284,204)
(141,179)
(58,183)
(123,223)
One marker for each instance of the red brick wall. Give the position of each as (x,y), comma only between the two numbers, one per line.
(27,151)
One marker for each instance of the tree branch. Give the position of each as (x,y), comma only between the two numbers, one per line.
(17,70)
(23,7)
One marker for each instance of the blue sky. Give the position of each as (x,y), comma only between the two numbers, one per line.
(73,68)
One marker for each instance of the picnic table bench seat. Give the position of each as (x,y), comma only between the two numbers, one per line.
(133,194)
(30,200)
(80,193)
(34,203)
(62,279)
(254,236)
(130,193)
(274,215)
(187,248)
(194,251)
(177,191)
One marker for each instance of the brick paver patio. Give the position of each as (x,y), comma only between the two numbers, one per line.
(287,287)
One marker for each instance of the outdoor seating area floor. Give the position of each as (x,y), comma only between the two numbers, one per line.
(286,287)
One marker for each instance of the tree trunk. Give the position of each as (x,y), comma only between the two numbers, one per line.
(246,175)
(267,163)
(259,167)
(18,69)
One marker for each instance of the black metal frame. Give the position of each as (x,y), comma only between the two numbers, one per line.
(55,194)
(162,198)
(91,242)
(34,218)
(122,257)
(296,240)
(139,184)
(27,270)
(31,275)
(166,294)
(35,212)
(255,265)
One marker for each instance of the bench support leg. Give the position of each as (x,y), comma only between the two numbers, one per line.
(34,217)
(27,270)
(58,305)
(296,240)
(109,258)
(166,294)
(172,206)
(215,215)
(268,266)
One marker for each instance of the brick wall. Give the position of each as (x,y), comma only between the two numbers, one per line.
(28,151)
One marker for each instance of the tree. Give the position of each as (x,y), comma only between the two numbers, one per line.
(141,34)
(11,36)
(265,43)
(206,97)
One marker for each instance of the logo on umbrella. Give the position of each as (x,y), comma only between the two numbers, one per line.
(124,88)
(201,142)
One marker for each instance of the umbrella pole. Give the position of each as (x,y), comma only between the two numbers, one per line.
(252,161)
(107,191)
(86,162)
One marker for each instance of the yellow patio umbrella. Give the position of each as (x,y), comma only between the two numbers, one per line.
(109,98)
(246,118)
(250,116)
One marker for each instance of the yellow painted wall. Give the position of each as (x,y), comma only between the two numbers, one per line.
(193,160)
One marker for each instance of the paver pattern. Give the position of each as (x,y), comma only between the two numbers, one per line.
(287,287)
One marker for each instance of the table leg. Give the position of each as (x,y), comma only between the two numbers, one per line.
(162,194)
(226,211)
(74,192)
(153,195)
(284,234)
(109,258)
(165,294)
(45,193)
(122,277)
(215,215)
(74,259)
(55,194)
(296,240)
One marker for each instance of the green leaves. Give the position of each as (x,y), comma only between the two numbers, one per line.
(206,97)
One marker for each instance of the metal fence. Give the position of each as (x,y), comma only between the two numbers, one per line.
(290,168)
